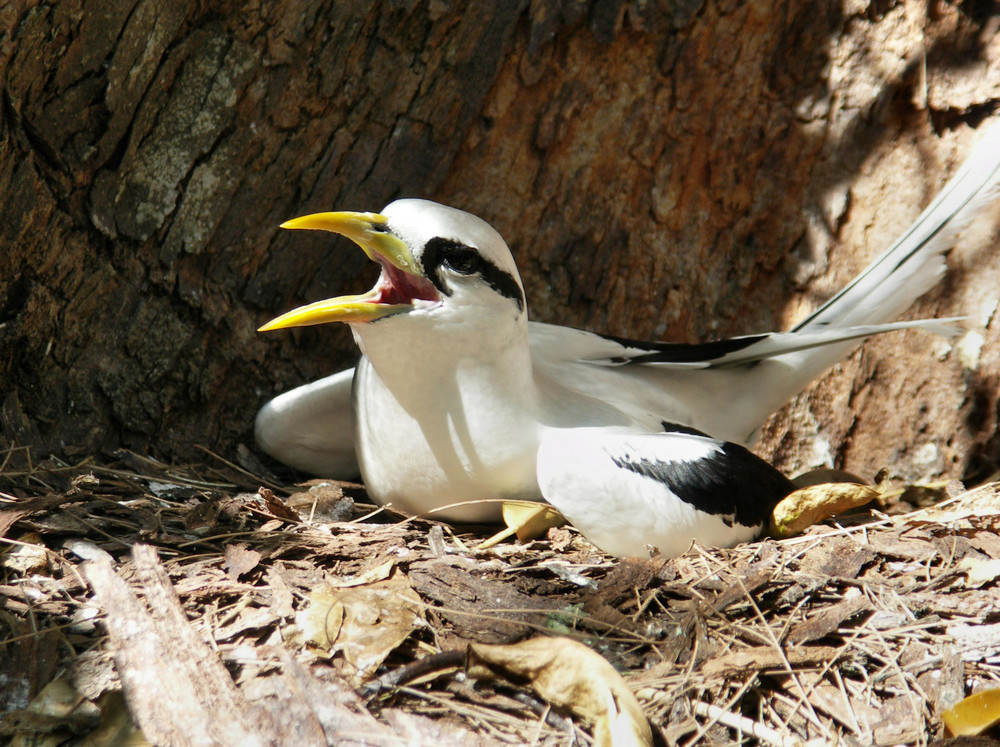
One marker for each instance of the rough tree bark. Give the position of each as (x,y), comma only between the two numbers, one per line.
(676,170)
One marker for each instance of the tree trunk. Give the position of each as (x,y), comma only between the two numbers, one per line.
(677,170)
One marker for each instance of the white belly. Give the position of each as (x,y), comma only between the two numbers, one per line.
(433,456)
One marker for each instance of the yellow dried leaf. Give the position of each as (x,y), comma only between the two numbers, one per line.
(974,714)
(802,508)
(496,539)
(321,619)
(362,623)
(527,519)
(569,675)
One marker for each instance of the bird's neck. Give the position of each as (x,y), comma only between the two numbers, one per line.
(485,368)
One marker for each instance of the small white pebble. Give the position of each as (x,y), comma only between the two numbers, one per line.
(925,457)
(941,349)
(968,348)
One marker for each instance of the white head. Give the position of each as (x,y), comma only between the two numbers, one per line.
(440,266)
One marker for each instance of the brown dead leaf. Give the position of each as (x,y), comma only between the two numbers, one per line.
(281,593)
(765,658)
(828,619)
(363,623)
(324,501)
(277,507)
(895,723)
(945,683)
(804,507)
(240,560)
(481,608)
(569,675)
(834,701)
(916,548)
(13,513)
(321,621)
(986,541)
(249,618)
(837,557)
(560,538)
(626,579)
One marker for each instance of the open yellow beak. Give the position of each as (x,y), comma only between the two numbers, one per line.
(370,232)
(340,309)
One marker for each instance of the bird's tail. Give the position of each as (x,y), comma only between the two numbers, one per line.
(915,262)
(881,293)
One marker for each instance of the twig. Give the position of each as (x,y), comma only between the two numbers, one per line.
(749,726)
(421,667)
(804,698)
(238,468)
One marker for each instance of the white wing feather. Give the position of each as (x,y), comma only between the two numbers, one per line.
(623,512)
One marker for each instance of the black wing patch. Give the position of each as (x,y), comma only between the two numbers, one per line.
(681,352)
(732,481)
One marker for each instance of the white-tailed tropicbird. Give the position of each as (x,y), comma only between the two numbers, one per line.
(458,397)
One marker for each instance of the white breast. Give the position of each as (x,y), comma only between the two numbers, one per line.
(450,444)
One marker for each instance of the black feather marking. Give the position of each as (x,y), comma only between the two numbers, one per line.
(438,253)
(731,482)
(669,427)
(681,352)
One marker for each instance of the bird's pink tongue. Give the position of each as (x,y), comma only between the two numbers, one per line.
(397,287)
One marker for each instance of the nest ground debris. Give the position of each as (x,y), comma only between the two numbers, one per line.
(160,602)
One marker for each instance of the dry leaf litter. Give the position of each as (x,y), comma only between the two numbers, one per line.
(145,603)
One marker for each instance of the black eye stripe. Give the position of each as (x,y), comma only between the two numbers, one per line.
(439,253)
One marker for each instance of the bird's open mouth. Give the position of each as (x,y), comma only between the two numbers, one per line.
(401,287)
(395,287)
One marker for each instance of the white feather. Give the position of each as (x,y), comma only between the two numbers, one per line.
(311,427)
(620,511)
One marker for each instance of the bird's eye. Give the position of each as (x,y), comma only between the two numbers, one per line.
(463,260)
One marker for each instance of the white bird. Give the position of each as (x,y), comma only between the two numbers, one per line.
(457,397)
